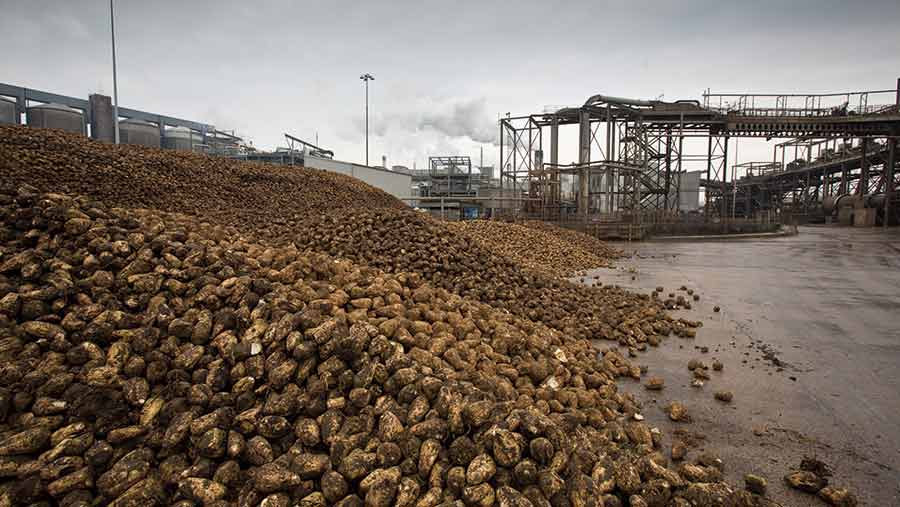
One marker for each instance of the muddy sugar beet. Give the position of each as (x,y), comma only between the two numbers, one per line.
(539,246)
(154,359)
(401,241)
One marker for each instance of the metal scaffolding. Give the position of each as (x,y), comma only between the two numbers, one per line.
(632,153)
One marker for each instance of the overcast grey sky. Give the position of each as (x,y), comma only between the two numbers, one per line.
(444,70)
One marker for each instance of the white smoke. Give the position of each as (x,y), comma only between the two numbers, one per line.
(457,119)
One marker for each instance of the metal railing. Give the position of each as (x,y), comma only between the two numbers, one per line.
(751,169)
(802,105)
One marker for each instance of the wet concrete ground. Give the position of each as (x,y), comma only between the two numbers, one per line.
(826,304)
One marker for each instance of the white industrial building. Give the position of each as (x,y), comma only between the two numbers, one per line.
(394,183)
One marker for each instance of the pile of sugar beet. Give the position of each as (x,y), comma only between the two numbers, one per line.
(329,213)
(545,248)
(396,240)
(258,198)
(149,358)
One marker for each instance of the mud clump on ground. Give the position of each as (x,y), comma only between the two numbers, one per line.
(813,477)
(755,484)
(153,359)
(839,497)
(805,481)
(677,412)
(724,396)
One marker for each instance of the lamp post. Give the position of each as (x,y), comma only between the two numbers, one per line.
(112,29)
(367,77)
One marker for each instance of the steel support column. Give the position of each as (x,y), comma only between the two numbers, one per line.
(668,169)
(844,187)
(709,150)
(862,187)
(502,171)
(584,159)
(724,210)
(897,96)
(554,159)
(678,178)
(611,175)
(607,204)
(889,177)
(806,194)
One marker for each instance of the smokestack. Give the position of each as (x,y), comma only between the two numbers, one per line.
(384,161)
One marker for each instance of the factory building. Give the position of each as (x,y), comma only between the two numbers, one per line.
(394,183)
(8,114)
(93,117)
(452,188)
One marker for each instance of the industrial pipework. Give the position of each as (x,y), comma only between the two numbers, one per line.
(609,99)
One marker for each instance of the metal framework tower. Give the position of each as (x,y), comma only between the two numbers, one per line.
(632,153)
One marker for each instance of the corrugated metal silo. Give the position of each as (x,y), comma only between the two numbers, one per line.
(56,116)
(140,132)
(7,111)
(181,138)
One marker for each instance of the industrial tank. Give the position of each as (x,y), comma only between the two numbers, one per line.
(181,138)
(7,112)
(835,202)
(140,132)
(874,201)
(55,116)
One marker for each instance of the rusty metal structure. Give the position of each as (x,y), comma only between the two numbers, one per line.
(632,153)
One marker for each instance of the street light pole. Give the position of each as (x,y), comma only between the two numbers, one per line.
(112,29)
(367,77)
